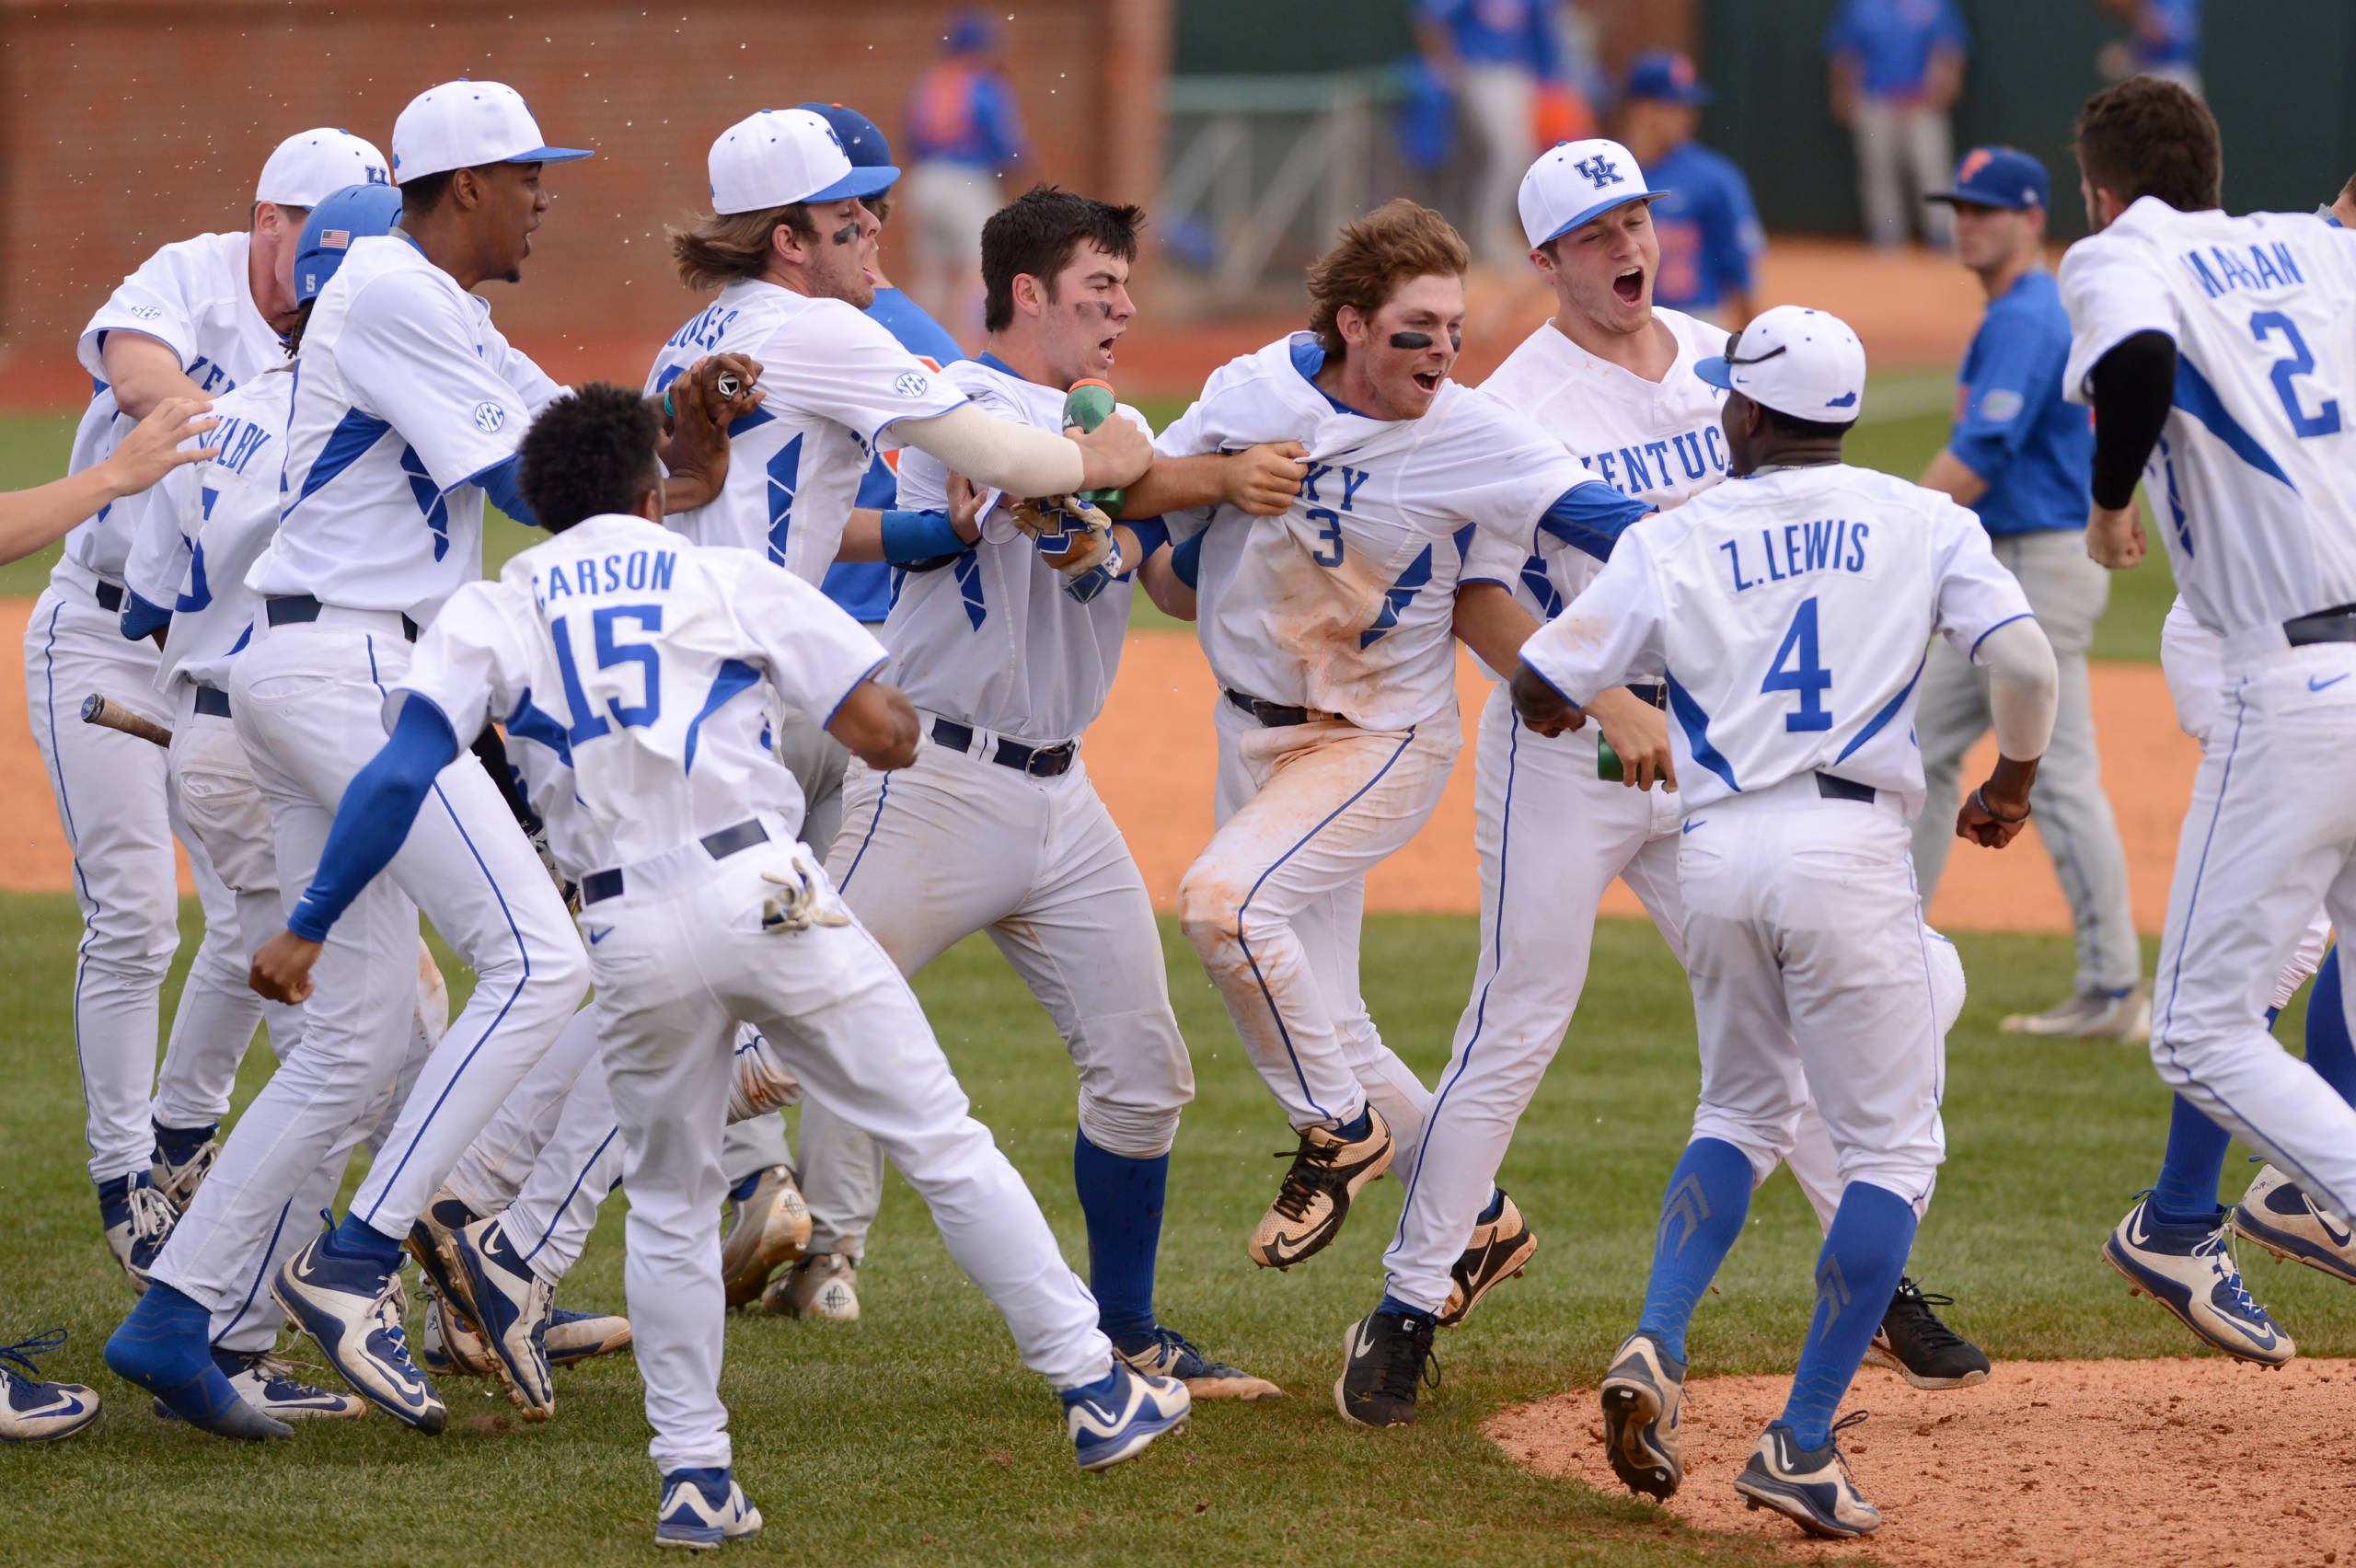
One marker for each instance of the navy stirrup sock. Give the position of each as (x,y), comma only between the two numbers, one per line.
(1122,1201)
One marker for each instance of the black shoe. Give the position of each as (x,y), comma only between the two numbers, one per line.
(1913,1343)
(1385,1357)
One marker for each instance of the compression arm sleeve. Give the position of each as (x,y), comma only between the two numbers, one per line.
(1591,517)
(1186,558)
(376,815)
(2023,687)
(498,481)
(2132,387)
(996,454)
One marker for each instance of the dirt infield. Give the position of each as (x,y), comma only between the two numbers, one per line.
(1152,756)
(2092,1464)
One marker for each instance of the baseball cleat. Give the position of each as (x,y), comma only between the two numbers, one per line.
(346,1305)
(268,1382)
(34,1410)
(1165,1352)
(1913,1343)
(433,1242)
(825,1285)
(579,1336)
(1642,1395)
(139,1220)
(1328,1171)
(1812,1488)
(703,1508)
(759,1081)
(449,1346)
(2280,1217)
(770,1226)
(1386,1357)
(180,1182)
(2189,1270)
(512,1306)
(1119,1415)
(1500,1249)
(2091,1016)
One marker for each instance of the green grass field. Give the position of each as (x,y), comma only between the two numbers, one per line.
(916,1436)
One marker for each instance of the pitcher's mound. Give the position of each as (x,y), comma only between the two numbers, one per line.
(2198,1460)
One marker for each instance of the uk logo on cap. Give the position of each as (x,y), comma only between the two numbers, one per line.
(1576,182)
(1602,171)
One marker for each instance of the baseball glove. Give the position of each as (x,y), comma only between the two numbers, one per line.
(1075,537)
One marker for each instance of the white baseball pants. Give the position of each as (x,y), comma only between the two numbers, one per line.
(548,1155)
(681,961)
(308,700)
(1274,902)
(115,804)
(2270,834)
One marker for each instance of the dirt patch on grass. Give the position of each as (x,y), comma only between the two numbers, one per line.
(2093,1464)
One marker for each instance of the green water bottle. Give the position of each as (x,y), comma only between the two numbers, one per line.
(1607,762)
(1088,405)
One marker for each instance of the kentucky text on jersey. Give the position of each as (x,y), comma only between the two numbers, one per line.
(2271,266)
(636,573)
(1634,470)
(1821,545)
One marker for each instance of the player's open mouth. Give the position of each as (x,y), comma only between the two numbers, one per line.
(1429,380)
(1630,285)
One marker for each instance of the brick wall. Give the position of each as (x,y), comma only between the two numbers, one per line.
(128,123)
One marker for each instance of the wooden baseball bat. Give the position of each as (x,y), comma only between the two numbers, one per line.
(97,709)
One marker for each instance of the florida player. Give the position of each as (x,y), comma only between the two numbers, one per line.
(1709,238)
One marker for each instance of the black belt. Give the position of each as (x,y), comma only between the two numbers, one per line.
(599,887)
(213,700)
(2337,625)
(1039,762)
(1833,788)
(300,608)
(1654,695)
(1275,715)
(110,598)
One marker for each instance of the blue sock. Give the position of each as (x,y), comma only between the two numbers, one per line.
(163,1348)
(1399,1308)
(179,1145)
(2186,1193)
(2330,1051)
(356,1239)
(1354,1130)
(742,1191)
(1701,1219)
(1122,1200)
(1863,1255)
(1497,1206)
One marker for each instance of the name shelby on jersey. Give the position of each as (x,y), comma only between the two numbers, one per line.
(1824,545)
(635,572)
(1635,470)
(238,440)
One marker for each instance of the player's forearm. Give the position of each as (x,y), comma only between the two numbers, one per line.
(1492,623)
(1951,474)
(142,372)
(997,454)
(878,724)
(33,519)
(1178,484)
(374,818)
(2023,687)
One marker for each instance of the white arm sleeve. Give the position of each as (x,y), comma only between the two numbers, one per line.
(2023,687)
(997,454)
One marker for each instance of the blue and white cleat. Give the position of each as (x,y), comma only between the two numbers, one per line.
(138,1219)
(33,1410)
(703,1508)
(578,1336)
(1810,1487)
(433,1242)
(2280,1217)
(1119,1416)
(347,1306)
(2189,1270)
(268,1382)
(512,1306)
(1643,1395)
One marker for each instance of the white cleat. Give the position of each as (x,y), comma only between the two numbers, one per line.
(268,1382)
(511,1308)
(771,1227)
(1108,1424)
(1811,1488)
(35,1410)
(2280,1217)
(703,1508)
(760,1082)
(2189,1270)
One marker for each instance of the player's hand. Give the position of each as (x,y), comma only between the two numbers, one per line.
(965,507)
(1639,732)
(155,449)
(1262,480)
(1993,814)
(1075,537)
(716,391)
(282,970)
(1542,708)
(2115,538)
(1113,456)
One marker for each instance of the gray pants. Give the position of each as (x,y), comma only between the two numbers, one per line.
(1903,151)
(2068,593)
(841,1169)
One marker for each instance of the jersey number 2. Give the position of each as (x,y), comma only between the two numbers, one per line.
(1806,676)
(2300,361)
(587,725)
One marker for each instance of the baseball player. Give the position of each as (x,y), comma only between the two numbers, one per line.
(1328,629)
(2213,350)
(1789,610)
(1611,376)
(198,318)
(644,671)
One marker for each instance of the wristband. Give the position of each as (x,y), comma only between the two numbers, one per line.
(1982,801)
(912,536)
(1151,533)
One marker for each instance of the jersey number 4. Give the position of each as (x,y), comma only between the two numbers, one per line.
(2300,361)
(586,724)
(1807,675)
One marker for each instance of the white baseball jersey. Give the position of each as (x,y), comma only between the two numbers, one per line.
(836,380)
(405,393)
(992,639)
(193,297)
(1346,602)
(1659,442)
(1790,610)
(635,673)
(2253,476)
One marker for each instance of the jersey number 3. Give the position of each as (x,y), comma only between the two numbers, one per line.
(2300,361)
(1806,676)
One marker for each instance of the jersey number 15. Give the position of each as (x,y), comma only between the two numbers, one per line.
(587,724)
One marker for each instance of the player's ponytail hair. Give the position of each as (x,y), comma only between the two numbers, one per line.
(724,247)
(1396,242)
(2150,137)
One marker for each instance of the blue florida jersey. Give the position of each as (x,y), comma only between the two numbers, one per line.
(1709,238)
(637,675)
(2254,475)
(1790,611)
(863,588)
(2013,426)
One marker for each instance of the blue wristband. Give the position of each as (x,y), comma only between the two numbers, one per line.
(913,536)
(1152,533)
(1186,561)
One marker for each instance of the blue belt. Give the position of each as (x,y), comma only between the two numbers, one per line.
(110,598)
(1656,696)
(299,607)
(213,700)
(1039,762)
(1833,788)
(599,887)
(2337,625)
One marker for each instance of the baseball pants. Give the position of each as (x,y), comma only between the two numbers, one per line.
(1498,105)
(2270,834)
(308,700)
(1274,902)
(1903,151)
(947,203)
(681,961)
(550,1154)
(2073,816)
(114,802)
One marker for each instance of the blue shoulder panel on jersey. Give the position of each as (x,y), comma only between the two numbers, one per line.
(1591,517)
(350,439)
(1889,710)
(2196,396)
(498,481)
(736,677)
(375,816)
(1696,724)
(532,723)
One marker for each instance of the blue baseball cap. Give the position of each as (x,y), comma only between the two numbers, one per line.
(356,212)
(861,138)
(1665,76)
(1999,176)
